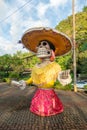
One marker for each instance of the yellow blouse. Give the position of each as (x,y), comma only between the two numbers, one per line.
(44,77)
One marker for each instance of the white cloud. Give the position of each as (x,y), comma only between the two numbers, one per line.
(35,23)
(18,23)
(31,15)
(53,6)
(16,26)
(57,3)
(3,8)
(78,6)
(41,9)
(7,47)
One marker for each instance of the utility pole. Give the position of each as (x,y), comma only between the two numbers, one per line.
(74,45)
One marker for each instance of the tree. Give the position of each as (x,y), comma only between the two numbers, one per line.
(5,64)
(85,9)
(65,61)
(65,26)
(82,62)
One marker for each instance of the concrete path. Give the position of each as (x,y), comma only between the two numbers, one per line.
(15,114)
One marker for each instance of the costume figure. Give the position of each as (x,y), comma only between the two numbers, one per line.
(47,44)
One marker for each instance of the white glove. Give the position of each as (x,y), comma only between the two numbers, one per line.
(64,77)
(21,84)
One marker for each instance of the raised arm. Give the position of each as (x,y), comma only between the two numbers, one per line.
(22,83)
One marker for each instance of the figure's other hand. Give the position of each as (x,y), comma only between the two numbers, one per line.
(21,84)
(64,77)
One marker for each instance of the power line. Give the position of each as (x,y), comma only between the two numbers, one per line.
(15,11)
(21,15)
(18,21)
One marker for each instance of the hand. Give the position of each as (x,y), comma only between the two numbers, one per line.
(21,84)
(64,77)
(64,74)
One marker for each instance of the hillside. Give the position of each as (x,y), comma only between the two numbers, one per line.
(65,26)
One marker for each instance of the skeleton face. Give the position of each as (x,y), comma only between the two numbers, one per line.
(43,50)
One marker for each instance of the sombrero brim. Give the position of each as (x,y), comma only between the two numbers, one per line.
(31,38)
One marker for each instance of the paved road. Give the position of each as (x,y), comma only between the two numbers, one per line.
(15,114)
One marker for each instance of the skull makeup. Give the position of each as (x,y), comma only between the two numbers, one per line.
(43,49)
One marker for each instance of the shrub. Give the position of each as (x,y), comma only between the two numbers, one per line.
(85,86)
(57,85)
(14,75)
(8,80)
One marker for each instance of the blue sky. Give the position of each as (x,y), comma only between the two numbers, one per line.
(16,16)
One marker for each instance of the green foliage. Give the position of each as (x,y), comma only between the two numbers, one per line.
(59,86)
(5,62)
(30,62)
(65,26)
(8,80)
(85,9)
(83,47)
(14,66)
(82,62)
(14,75)
(65,61)
(85,87)
(2,74)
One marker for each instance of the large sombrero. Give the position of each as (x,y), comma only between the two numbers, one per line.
(31,38)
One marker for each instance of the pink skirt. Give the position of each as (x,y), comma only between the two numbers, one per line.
(46,103)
